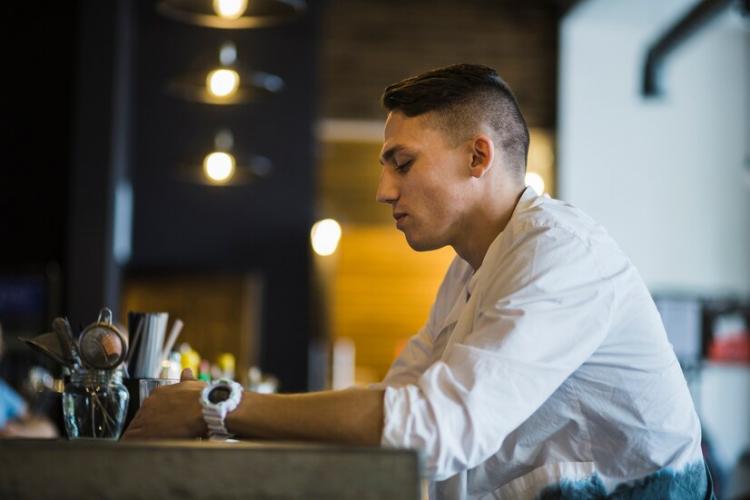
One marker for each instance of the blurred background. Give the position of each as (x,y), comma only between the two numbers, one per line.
(217,160)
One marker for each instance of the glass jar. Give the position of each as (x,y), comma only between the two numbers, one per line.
(95,403)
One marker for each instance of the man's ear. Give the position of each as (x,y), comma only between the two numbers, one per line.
(482,155)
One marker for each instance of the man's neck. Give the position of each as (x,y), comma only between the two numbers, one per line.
(484,227)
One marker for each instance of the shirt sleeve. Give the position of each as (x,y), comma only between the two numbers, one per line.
(12,405)
(411,362)
(540,315)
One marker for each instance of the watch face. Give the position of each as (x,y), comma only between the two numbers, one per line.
(219,394)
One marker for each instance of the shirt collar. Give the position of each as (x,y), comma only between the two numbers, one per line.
(528,198)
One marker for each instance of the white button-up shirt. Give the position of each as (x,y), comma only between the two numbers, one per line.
(549,365)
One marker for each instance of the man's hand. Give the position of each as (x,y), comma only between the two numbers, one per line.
(29,426)
(170,412)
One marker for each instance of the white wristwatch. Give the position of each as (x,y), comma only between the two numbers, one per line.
(218,399)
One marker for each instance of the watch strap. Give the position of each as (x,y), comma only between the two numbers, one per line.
(215,422)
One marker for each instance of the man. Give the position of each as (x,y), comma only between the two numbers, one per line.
(543,369)
(16,421)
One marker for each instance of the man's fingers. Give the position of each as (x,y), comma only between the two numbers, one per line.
(171,412)
(133,429)
(131,433)
(187,374)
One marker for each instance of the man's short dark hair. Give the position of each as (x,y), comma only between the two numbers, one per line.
(462,96)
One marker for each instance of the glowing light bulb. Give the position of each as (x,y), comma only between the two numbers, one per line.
(535,180)
(223,82)
(230,9)
(219,167)
(325,236)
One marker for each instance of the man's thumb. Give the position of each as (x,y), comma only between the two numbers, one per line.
(187,374)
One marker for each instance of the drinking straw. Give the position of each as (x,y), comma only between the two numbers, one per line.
(173,334)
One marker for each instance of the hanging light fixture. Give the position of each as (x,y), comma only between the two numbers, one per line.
(220,167)
(231,14)
(226,84)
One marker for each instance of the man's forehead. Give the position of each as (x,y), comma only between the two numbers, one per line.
(405,133)
(391,133)
(399,122)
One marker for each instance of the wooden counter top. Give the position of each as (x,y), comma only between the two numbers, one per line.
(204,469)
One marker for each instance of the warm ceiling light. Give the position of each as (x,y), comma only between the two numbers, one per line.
(230,9)
(219,167)
(325,236)
(535,180)
(223,82)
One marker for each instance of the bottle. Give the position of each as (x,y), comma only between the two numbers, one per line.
(226,364)
(205,371)
(175,365)
(190,359)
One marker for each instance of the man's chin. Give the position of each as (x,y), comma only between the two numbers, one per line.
(421,245)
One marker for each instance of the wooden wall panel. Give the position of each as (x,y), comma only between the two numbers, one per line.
(382,292)
(348,178)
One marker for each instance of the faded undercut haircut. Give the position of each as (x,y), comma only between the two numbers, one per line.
(462,97)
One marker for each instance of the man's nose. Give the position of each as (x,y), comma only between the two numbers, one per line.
(387,190)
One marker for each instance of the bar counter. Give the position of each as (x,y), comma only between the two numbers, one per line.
(204,469)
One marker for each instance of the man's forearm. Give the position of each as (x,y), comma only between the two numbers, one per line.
(353,416)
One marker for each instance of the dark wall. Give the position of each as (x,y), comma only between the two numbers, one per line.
(37,57)
(38,52)
(368,45)
(181,225)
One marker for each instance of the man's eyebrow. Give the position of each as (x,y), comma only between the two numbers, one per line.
(389,153)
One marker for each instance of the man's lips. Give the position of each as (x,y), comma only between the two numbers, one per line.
(400,217)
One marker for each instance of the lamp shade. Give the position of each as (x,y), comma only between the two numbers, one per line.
(231,14)
(246,86)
